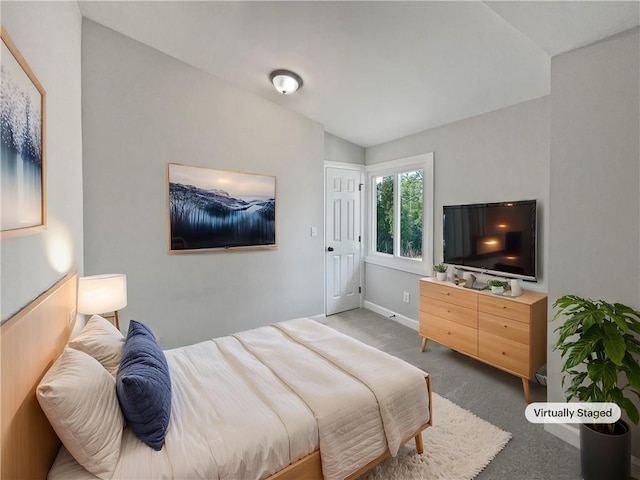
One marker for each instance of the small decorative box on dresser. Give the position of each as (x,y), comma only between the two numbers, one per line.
(507,333)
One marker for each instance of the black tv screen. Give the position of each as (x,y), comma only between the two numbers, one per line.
(494,238)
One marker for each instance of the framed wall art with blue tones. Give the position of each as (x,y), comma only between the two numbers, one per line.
(219,209)
(23,141)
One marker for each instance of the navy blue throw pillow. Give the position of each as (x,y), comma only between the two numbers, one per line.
(143,386)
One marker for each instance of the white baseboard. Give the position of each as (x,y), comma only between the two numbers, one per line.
(566,432)
(571,435)
(396,317)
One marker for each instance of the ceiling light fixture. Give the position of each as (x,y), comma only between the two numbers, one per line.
(285,81)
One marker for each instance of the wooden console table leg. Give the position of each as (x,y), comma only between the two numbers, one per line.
(525,387)
(424,344)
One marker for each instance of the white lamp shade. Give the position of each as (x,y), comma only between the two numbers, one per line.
(102,293)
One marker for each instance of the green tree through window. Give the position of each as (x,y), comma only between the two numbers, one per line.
(411,185)
(409,227)
(384,214)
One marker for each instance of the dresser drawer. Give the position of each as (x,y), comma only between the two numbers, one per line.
(504,327)
(452,334)
(498,351)
(449,311)
(504,307)
(450,294)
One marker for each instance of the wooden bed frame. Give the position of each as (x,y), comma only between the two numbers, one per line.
(30,342)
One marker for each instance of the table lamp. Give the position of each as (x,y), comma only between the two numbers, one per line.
(99,294)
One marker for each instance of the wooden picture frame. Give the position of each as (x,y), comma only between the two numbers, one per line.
(219,209)
(23,143)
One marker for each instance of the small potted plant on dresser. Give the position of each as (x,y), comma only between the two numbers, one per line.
(498,286)
(599,345)
(441,272)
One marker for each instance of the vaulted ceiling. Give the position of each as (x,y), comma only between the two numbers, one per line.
(374,71)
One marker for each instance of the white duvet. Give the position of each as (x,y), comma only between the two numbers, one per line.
(247,405)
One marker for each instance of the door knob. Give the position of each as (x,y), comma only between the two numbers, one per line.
(329,249)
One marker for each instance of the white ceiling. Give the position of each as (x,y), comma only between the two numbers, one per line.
(374,71)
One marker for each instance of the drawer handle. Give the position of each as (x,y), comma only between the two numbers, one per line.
(504,306)
(503,353)
(504,326)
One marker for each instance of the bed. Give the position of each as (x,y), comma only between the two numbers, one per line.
(255,404)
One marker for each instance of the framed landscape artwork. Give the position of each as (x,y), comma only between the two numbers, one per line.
(22,155)
(219,209)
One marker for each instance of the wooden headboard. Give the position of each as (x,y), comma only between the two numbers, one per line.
(30,342)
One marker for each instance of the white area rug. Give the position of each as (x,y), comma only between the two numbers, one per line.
(458,446)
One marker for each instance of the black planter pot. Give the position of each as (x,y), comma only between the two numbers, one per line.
(606,456)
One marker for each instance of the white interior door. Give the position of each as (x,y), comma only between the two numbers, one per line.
(343,240)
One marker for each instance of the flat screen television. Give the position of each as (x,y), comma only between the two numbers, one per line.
(493,238)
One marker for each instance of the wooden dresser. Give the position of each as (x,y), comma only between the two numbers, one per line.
(507,333)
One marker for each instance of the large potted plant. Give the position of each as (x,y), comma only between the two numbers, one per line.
(599,346)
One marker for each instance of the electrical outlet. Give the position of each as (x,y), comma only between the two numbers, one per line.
(405,297)
(72,315)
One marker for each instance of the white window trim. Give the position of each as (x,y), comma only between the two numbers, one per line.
(425,265)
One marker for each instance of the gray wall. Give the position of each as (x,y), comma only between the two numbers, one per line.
(142,109)
(498,156)
(337,149)
(48,35)
(595,180)
(577,152)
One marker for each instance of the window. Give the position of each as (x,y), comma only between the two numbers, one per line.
(400,214)
(411,218)
(384,214)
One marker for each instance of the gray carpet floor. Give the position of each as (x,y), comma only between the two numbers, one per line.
(493,395)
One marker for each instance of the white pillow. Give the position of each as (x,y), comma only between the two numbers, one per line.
(78,396)
(103,341)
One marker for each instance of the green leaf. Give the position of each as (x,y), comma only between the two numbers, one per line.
(578,378)
(630,409)
(633,323)
(576,384)
(630,316)
(567,301)
(583,394)
(595,393)
(614,344)
(622,309)
(583,348)
(620,322)
(567,305)
(588,322)
(567,329)
(593,315)
(632,371)
(616,396)
(603,371)
(632,343)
